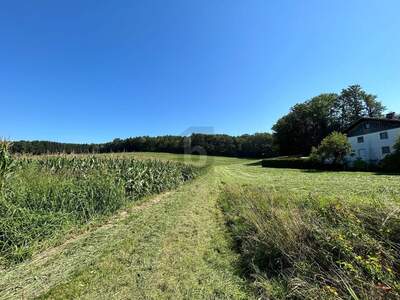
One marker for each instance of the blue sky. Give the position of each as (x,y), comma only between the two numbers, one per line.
(93,70)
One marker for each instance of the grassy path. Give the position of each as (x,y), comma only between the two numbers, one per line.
(175,247)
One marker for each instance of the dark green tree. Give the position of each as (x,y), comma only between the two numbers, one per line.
(305,125)
(354,103)
(308,123)
(258,145)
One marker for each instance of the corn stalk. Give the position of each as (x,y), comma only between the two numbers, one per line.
(7,163)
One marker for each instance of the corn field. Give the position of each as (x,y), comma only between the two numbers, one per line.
(44,197)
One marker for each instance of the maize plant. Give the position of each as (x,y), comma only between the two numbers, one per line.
(7,163)
(49,194)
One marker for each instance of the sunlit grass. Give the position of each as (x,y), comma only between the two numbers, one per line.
(315,235)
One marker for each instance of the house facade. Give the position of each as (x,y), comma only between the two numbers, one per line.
(372,139)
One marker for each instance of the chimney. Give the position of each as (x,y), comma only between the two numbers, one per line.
(391,116)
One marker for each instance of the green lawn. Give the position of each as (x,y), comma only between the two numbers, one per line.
(175,245)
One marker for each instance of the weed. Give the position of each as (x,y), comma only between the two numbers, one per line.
(294,247)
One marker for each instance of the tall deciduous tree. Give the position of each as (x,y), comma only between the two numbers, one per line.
(354,103)
(308,123)
(305,125)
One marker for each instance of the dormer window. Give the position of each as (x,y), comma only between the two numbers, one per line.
(360,139)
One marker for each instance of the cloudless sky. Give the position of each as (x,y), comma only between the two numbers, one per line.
(93,70)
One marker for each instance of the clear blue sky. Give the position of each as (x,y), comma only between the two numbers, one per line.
(93,70)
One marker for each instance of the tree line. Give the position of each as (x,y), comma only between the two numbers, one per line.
(308,123)
(259,145)
(296,133)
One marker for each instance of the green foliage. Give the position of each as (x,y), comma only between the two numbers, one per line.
(7,164)
(353,103)
(308,123)
(310,248)
(391,162)
(257,145)
(288,163)
(360,165)
(48,195)
(305,125)
(333,149)
(397,146)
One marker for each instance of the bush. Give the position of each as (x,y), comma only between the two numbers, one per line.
(302,163)
(332,150)
(288,162)
(294,248)
(391,163)
(360,165)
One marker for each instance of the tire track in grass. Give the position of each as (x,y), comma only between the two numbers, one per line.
(196,260)
(173,249)
(57,264)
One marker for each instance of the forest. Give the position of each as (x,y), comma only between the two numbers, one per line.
(257,145)
(295,133)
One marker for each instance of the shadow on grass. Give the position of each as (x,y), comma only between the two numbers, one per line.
(256,163)
(374,172)
(387,173)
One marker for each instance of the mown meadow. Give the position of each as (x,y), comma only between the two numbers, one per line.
(238,231)
(304,234)
(42,198)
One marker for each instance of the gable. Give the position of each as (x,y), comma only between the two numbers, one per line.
(366,126)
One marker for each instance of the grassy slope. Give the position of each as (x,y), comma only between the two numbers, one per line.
(177,248)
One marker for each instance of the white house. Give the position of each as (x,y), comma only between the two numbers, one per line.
(372,139)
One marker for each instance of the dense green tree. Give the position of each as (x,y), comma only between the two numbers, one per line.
(354,103)
(308,123)
(333,149)
(305,125)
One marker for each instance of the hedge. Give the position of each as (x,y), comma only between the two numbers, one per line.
(298,163)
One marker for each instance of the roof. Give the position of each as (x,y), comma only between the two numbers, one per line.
(385,120)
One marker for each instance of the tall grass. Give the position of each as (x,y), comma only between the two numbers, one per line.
(308,248)
(7,163)
(50,195)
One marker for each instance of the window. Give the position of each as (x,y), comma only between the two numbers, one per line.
(360,139)
(384,135)
(367,125)
(385,150)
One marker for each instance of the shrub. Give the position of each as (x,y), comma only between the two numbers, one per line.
(332,150)
(391,162)
(288,162)
(360,165)
(303,163)
(306,248)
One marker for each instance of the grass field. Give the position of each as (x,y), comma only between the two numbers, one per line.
(192,242)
